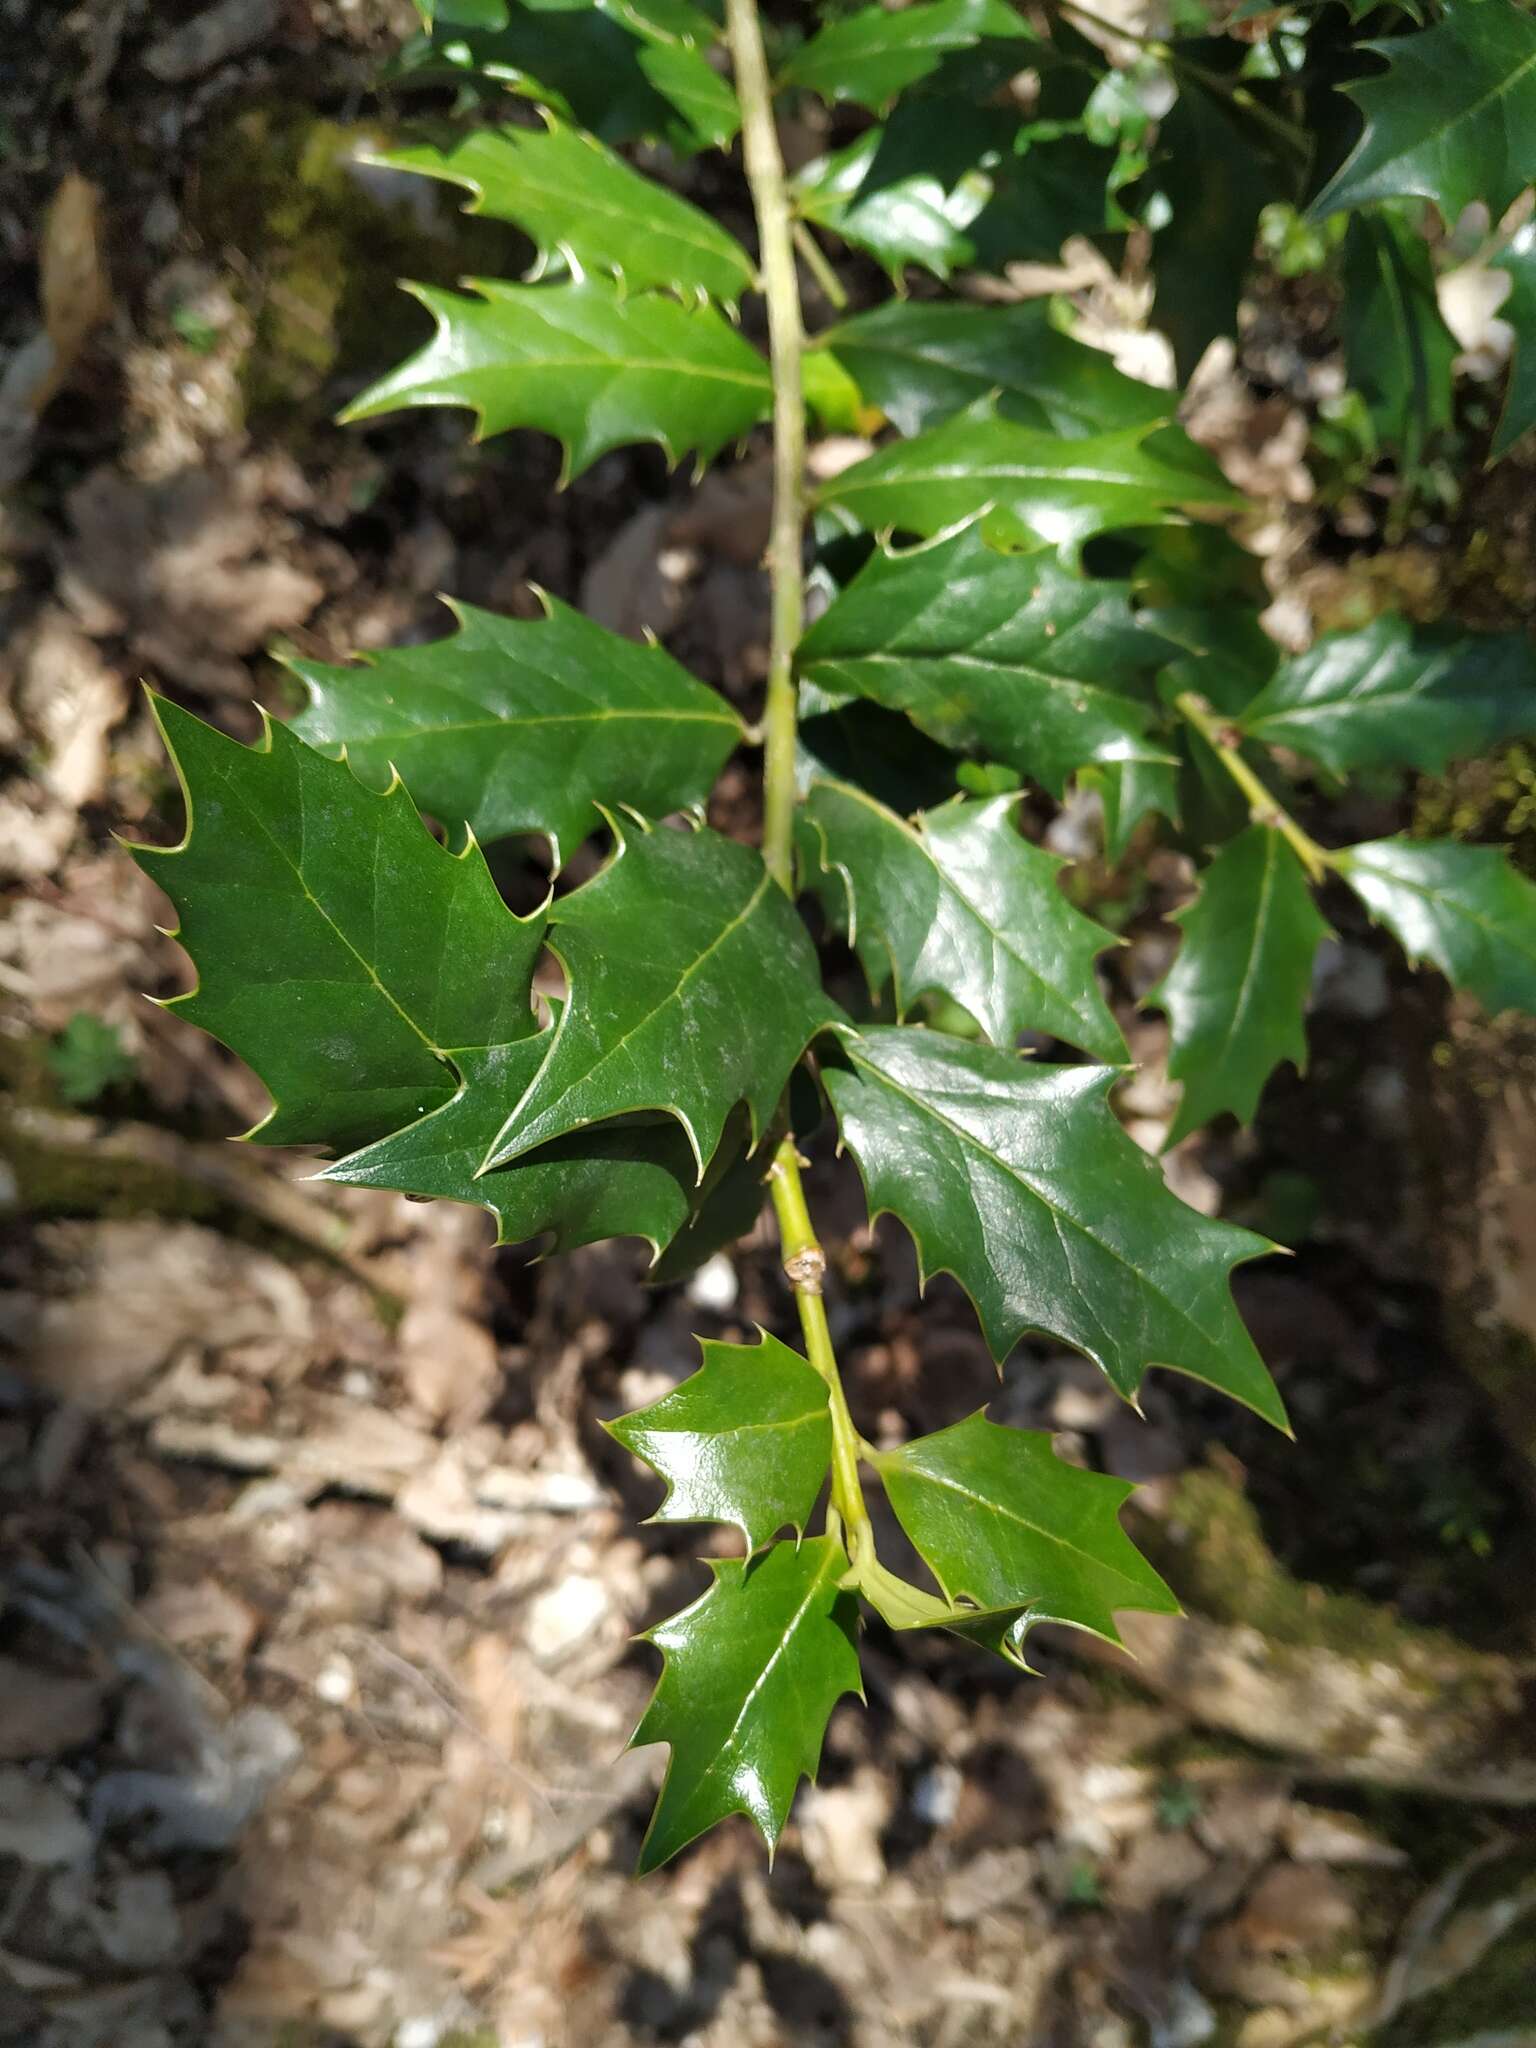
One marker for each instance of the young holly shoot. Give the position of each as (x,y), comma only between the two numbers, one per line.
(1031,580)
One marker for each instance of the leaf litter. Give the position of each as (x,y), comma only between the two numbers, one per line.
(319,1577)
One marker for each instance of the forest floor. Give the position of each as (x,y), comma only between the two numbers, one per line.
(319,1580)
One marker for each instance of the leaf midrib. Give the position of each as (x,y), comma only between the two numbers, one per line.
(833,1562)
(925,1474)
(1058,1215)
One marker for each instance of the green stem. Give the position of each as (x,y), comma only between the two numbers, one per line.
(805,1264)
(1225,742)
(781,288)
(815,260)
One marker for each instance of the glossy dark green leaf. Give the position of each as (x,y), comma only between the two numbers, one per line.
(752,1672)
(725,1205)
(1130,791)
(623,72)
(947,185)
(1398,695)
(1462,908)
(693,986)
(1518,257)
(519,726)
(958,904)
(574,197)
(1017,1179)
(1005,655)
(585,362)
(873,55)
(340,950)
(1236,996)
(1454,117)
(627,1179)
(1397,349)
(1027,483)
(1002,1522)
(747,1440)
(922,363)
(1216,176)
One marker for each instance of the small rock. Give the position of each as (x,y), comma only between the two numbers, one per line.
(44,1715)
(218,33)
(1315,1834)
(987,1883)
(715,1286)
(38,1824)
(1350,981)
(568,1612)
(840,1828)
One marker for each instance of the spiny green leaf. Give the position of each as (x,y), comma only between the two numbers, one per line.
(693,986)
(1397,349)
(624,72)
(1463,908)
(1394,694)
(922,363)
(1237,993)
(627,1179)
(292,884)
(519,726)
(1028,483)
(1518,257)
(1453,119)
(747,1440)
(1000,1520)
(960,905)
(573,196)
(1130,791)
(1017,1179)
(948,184)
(585,363)
(873,55)
(752,1673)
(1006,655)
(726,1204)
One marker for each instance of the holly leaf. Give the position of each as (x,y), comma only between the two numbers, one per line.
(1019,1181)
(1398,695)
(921,363)
(1453,119)
(1236,996)
(1130,791)
(1003,1523)
(747,1440)
(623,72)
(871,56)
(725,1206)
(1397,350)
(519,726)
(582,362)
(1462,908)
(693,986)
(1518,258)
(290,884)
(632,1179)
(1027,483)
(959,904)
(1006,655)
(575,198)
(752,1672)
(947,184)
